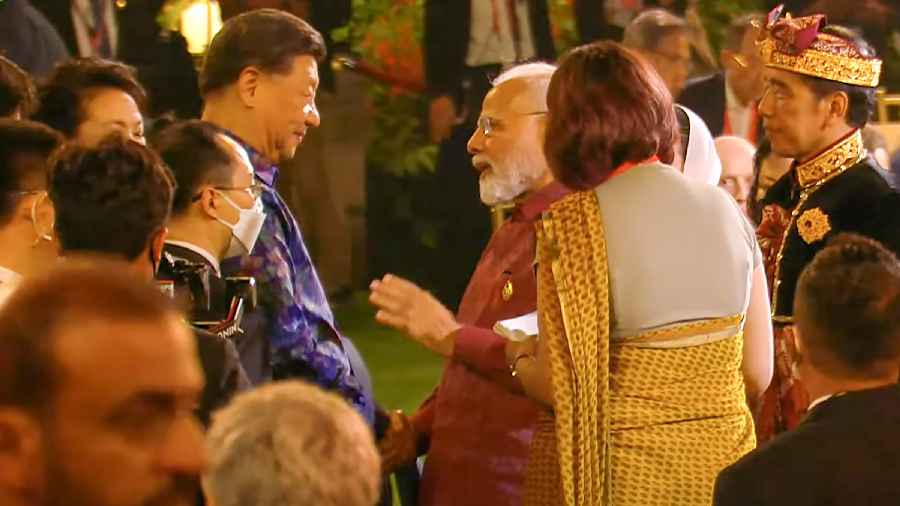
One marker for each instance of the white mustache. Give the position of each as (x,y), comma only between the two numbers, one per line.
(481,160)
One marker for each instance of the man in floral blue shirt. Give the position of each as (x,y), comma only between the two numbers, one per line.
(259,83)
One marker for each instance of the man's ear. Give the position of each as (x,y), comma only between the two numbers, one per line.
(208,203)
(838,106)
(157,244)
(21,451)
(248,86)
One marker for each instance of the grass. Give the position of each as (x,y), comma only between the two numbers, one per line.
(403,373)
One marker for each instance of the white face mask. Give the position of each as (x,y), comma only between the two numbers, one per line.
(246,231)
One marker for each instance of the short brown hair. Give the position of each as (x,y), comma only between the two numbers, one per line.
(111,198)
(71,292)
(847,307)
(25,147)
(607,106)
(268,39)
(17,91)
(64,92)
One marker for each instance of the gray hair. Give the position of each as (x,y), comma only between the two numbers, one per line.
(291,444)
(646,30)
(537,76)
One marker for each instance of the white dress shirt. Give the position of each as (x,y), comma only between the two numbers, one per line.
(490,45)
(200,251)
(83,18)
(740,116)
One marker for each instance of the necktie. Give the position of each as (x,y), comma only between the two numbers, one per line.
(99,32)
(513,18)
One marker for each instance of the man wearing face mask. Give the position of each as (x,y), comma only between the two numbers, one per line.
(216,214)
(26,216)
(115,200)
(477,426)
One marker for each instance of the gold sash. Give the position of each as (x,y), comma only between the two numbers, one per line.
(631,425)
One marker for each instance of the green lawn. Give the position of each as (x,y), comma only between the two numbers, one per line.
(404,373)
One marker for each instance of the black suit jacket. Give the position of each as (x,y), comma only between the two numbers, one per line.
(447,24)
(59,13)
(846,452)
(221,370)
(219,356)
(590,19)
(859,201)
(706,97)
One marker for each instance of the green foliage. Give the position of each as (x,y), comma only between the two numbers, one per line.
(562,19)
(717,15)
(388,35)
(170,15)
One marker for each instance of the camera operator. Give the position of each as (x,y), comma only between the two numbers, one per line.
(115,199)
(216,215)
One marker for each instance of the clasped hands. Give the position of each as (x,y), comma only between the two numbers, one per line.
(415,312)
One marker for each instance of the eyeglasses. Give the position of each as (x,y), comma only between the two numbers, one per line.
(255,190)
(487,124)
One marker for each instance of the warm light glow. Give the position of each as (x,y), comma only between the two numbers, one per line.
(199,23)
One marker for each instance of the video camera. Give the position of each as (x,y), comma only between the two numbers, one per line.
(214,304)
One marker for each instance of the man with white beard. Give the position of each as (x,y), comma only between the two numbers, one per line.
(476,427)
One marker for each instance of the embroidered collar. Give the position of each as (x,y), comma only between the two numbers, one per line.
(834,160)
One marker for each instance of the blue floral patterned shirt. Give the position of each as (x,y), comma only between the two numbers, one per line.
(304,339)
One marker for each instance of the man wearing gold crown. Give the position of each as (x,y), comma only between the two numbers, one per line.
(819,92)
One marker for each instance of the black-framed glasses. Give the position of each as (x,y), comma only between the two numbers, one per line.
(255,190)
(487,124)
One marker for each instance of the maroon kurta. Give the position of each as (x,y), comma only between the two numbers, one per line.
(479,429)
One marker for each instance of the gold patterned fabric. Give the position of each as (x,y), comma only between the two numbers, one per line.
(633,425)
(798,45)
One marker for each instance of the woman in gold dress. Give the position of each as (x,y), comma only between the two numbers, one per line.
(653,308)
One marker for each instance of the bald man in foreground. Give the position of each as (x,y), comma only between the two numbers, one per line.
(736,154)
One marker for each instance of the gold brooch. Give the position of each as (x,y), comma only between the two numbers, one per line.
(813,225)
(507,292)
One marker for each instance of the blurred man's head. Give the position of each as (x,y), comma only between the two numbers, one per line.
(113,199)
(877,146)
(18,96)
(217,204)
(507,146)
(847,312)
(291,444)
(665,40)
(26,215)
(88,98)
(260,78)
(740,58)
(736,154)
(98,382)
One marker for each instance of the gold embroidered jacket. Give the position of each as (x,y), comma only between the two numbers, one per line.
(840,190)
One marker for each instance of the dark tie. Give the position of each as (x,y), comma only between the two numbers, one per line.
(100,33)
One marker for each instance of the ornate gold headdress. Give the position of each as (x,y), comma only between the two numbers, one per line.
(797,45)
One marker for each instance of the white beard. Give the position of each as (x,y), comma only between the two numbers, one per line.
(520,174)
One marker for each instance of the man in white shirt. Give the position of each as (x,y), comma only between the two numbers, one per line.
(727,101)
(26,215)
(88,27)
